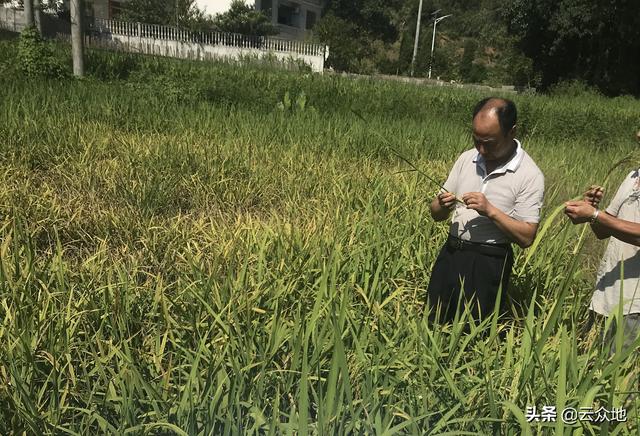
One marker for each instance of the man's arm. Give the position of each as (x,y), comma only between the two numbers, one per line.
(606,225)
(600,231)
(520,232)
(594,196)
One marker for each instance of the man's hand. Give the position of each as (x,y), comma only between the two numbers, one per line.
(447,200)
(579,211)
(478,202)
(442,205)
(521,232)
(593,196)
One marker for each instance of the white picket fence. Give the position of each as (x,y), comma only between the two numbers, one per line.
(169,33)
(175,42)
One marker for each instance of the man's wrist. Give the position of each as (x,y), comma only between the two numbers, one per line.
(594,217)
(492,212)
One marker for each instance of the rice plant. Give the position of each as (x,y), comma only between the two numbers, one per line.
(203,262)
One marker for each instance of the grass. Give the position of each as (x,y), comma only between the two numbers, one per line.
(182,255)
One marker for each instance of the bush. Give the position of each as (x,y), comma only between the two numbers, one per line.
(36,58)
(107,65)
(574,88)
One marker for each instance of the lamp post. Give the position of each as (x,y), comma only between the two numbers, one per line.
(433,39)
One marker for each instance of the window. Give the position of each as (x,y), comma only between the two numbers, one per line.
(288,14)
(266,6)
(311,20)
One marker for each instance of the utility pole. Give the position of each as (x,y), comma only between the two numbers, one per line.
(415,42)
(436,20)
(37,15)
(77,37)
(28,13)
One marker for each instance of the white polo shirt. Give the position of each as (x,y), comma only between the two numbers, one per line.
(619,271)
(516,188)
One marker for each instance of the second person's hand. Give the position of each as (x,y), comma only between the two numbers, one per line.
(594,195)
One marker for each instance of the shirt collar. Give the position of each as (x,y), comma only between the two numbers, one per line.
(512,165)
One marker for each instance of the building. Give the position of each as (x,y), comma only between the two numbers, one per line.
(101,9)
(104,9)
(294,18)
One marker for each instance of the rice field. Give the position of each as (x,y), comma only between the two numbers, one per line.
(207,249)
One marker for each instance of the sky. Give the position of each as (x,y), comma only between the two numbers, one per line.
(215,6)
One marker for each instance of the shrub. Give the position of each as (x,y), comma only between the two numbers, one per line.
(36,58)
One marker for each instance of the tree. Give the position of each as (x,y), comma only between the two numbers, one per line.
(77,37)
(182,13)
(595,41)
(244,19)
(361,34)
(345,47)
(379,19)
(52,6)
(470,71)
(28,13)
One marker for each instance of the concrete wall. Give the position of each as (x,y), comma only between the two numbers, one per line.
(101,9)
(11,19)
(14,21)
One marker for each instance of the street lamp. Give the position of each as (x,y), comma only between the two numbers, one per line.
(433,39)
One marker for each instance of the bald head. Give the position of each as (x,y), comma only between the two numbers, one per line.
(502,108)
(494,128)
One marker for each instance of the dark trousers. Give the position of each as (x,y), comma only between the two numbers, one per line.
(471,276)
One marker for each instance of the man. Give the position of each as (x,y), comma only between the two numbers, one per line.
(499,191)
(618,277)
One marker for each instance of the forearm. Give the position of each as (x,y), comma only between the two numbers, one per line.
(599,230)
(520,232)
(608,225)
(438,213)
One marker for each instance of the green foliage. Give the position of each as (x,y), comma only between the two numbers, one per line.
(593,41)
(180,13)
(52,6)
(520,42)
(244,19)
(573,89)
(296,106)
(8,55)
(345,47)
(466,67)
(377,18)
(36,58)
(518,69)
(362,35)
(106,65)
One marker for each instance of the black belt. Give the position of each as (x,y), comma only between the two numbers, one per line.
(500,250)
